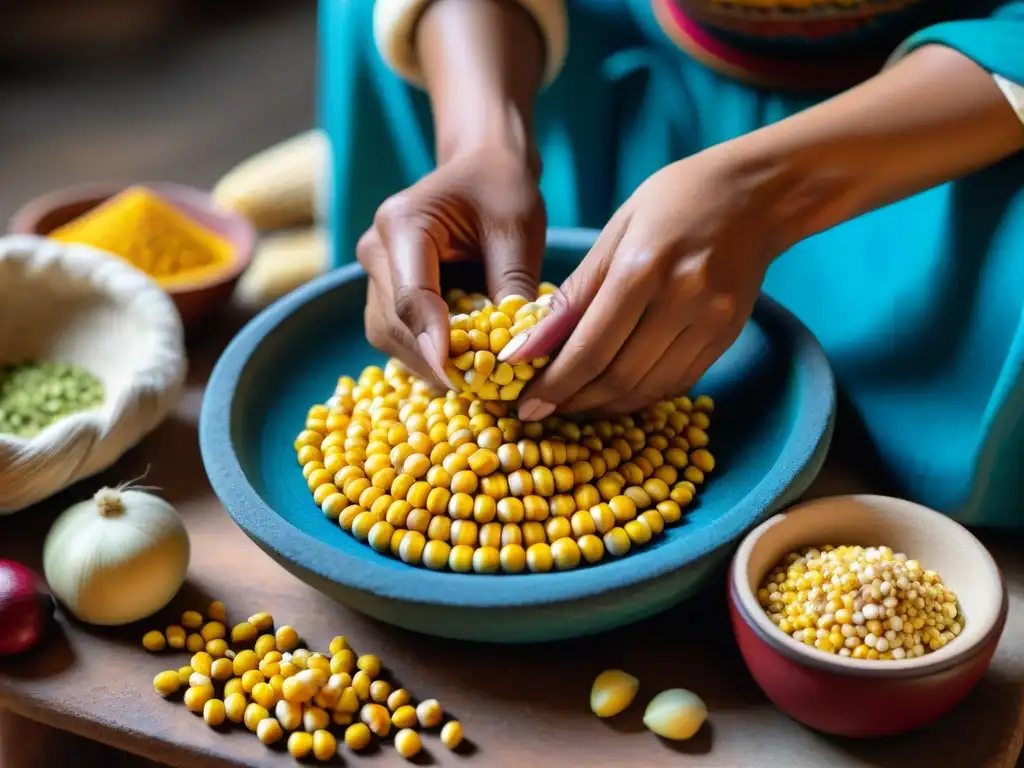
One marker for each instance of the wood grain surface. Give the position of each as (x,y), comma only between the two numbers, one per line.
(520,705)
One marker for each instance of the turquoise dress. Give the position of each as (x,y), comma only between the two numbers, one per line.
(919,305)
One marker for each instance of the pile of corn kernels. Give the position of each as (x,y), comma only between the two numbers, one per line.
(449,481)
(265,680)
(481,332)
(861,602)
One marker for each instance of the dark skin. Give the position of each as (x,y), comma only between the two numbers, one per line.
(482,202)
(675,273)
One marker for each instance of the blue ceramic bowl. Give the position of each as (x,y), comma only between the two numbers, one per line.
(775,402)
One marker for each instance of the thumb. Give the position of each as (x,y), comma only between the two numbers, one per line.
(414,260)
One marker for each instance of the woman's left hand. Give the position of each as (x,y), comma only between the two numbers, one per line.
(664,291)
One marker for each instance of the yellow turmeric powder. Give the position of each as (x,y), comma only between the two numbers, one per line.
(151,234)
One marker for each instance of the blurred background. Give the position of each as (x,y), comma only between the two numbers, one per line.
(142,90)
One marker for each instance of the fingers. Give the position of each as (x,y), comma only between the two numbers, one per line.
(609,321)
(632,375)
(665,377)
(708,357)
(384,329)
(414,261)
(390,336)
(688,358)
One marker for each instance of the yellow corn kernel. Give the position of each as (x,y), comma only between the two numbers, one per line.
(408,743)
(612,692)
(300,745)
(234,706)
(166,683)
(357,737)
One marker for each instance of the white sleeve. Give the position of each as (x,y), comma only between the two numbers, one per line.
(394,21)
(1014,94)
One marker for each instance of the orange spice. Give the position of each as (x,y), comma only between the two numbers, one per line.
(152,235)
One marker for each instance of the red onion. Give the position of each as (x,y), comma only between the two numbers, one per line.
(25,608)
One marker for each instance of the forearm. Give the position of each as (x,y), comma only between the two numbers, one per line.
(933,117)
(482,63)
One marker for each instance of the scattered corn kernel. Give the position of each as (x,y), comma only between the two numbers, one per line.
(234,685)
(166,683)
(196,698)
(300,745)
(325,746)
(404,716)
(202,662)
(287,639)
(397,698)
(612,692)
(357,737)
(217,612)
(429,713)
(243,633)
(675,714)
(451,734)
(154,641)
(300,691)
(176,636)
(269,731)
(288,714)
(377,718)
(315,719)
(254,713)
(213,630)
(234,706)
(214,712)
(408,743)
(370,664)
(217,648)
(263,622)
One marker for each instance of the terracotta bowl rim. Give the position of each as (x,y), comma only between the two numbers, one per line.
(26,218)
(952,655)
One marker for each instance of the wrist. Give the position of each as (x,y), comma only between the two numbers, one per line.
(482,89)
(498,127)
(798,189)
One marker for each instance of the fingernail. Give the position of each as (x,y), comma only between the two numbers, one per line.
(513,346)
(431,357)
(535,409)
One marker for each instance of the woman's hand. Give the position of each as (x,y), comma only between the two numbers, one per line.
(481,204)
(665,290)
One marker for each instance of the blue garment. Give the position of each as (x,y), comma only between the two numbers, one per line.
(919,305)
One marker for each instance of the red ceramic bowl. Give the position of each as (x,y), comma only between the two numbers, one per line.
(861,698)
(195,301)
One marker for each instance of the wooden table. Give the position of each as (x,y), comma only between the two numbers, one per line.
(521,706)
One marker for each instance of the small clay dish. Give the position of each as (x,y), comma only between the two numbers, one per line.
(197,300)
(863,698)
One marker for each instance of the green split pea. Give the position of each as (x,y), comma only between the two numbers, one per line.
(33,395)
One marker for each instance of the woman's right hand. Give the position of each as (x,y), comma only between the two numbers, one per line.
(481,204)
